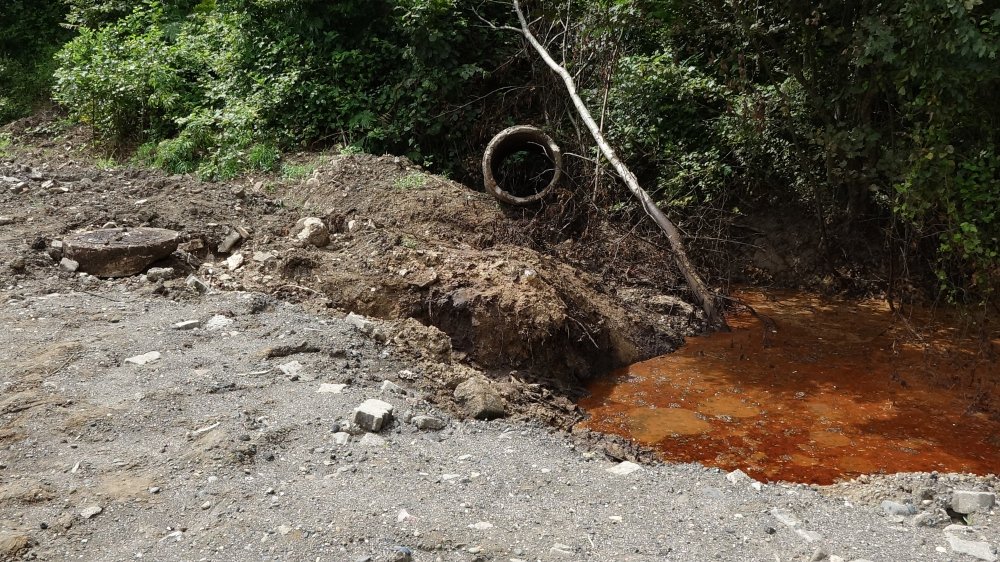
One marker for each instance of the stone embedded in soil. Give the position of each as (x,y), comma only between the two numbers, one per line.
(966,501)
(217,322)
(479,400)
(197,284)
(360,323)
(145,358)
(312,230)
(156,274)
(977,549)
(372,414)
(119,252)
(624,468)
(234,261)
(13,545)
(69,265)
(428,423)
(229,242)
(331,388)
(91,511)
(898,509)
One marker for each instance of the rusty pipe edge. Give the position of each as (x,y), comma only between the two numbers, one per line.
(507,142)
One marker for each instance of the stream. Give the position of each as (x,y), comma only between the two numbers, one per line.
(816,390)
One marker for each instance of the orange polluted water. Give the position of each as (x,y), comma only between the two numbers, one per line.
(818,391)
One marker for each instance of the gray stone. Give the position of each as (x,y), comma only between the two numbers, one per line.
(156,274)
(392,388)
(976,549)
(898,509)
(186,325)
(360,323)
(69,265)
(229,242)
(478,399)
(341,438)
(197,284)
(5,220)
(430,423)
(372,415)
(91,511)
(966,502)
(262,257)
(311,230)
(819,554)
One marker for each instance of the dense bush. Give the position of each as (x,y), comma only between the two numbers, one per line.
(29,34)
(220,85)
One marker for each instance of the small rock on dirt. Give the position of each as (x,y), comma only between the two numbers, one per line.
(976,549)
(197,284)
(479,400)
(898,509)
(372,414)
(623,468)
(145,358)
(217,322)
(234,261)
(186,325)
(156,274)
(91,511)
(229,242)
(311,230)
(428,423)
(69,265)
(331,388)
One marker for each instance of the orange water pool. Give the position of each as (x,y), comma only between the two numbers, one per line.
(818,391)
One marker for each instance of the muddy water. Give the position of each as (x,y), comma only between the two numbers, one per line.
(816,391)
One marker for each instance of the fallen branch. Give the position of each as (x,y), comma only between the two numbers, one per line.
(701,293)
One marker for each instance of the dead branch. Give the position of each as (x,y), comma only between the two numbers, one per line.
(701,293)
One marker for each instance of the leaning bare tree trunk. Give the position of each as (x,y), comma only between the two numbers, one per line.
(697,286)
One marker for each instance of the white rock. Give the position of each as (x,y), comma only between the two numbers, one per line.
(624,468)
(291,369)
(186,325)
(481,526)
(311,230)
(217,322)
(372,414)
(966,502)
(785,517)
(372,441)
(809,536)
(91,511)
(262,257)
(145,358)
(341,438)
(284,529)
(234,261)
(360,323)
(738,477)
(331,388)
(977,549)
(69,265)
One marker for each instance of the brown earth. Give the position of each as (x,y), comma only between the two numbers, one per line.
(537,301)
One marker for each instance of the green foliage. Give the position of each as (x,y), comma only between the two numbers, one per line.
(220,84)
(29,35)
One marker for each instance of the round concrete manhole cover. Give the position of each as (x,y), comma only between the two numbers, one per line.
(119,252)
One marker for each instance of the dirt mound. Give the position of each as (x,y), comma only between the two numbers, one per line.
(519,294)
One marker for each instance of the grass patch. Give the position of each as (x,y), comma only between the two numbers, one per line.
(413,180)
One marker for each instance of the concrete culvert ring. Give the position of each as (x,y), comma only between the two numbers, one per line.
(521,165)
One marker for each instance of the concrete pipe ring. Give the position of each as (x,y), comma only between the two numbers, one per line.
(522,138)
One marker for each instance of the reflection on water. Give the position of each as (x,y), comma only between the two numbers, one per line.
(816,392)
